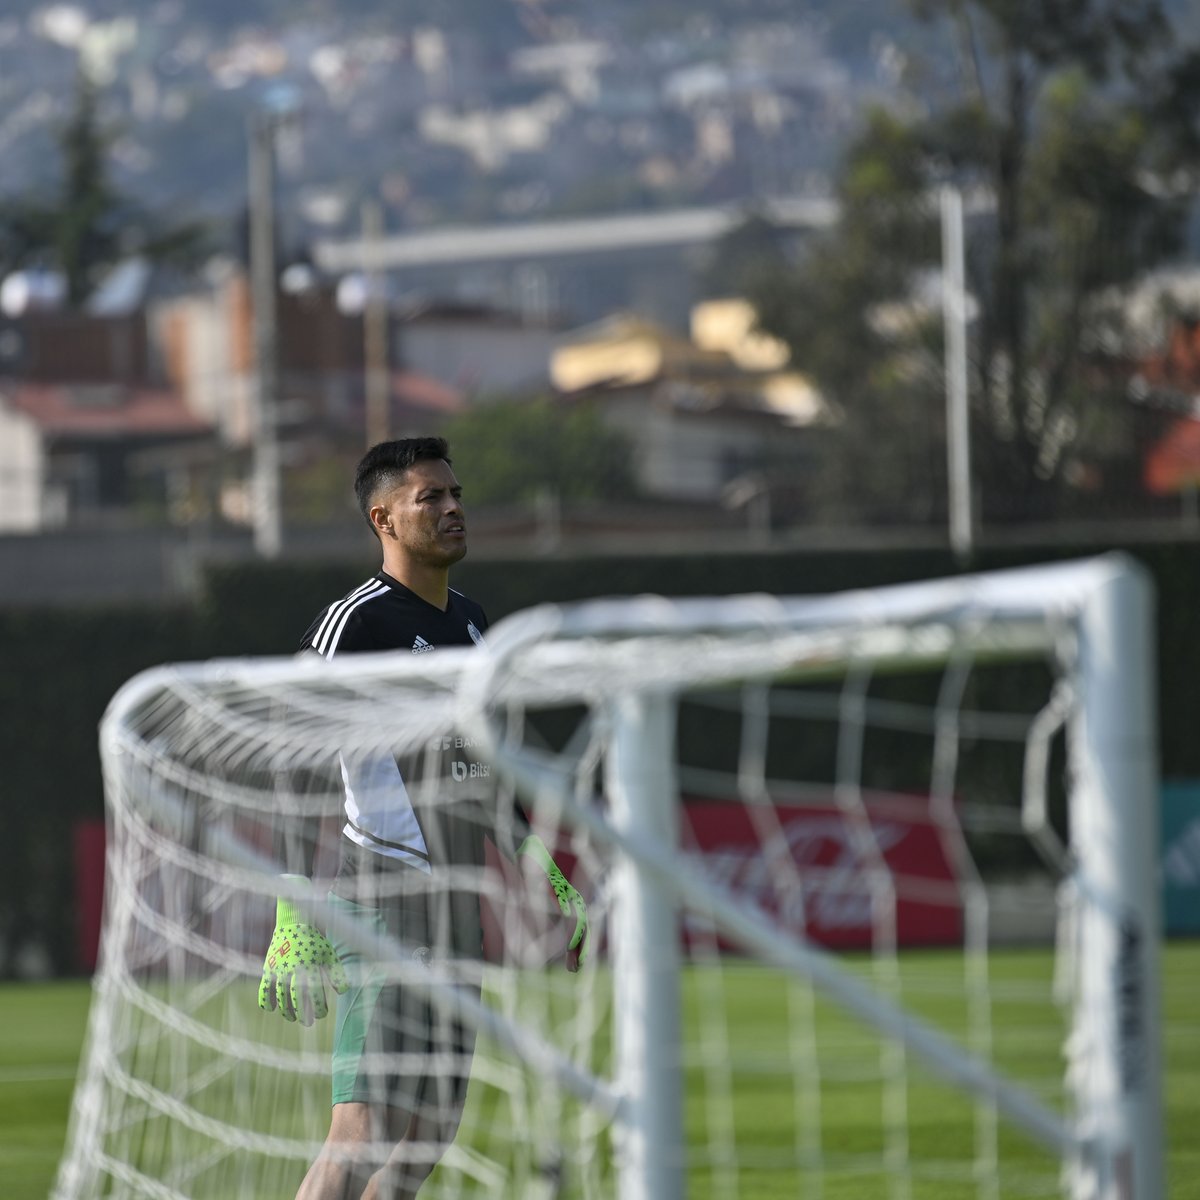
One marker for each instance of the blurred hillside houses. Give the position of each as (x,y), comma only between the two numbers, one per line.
(144,411)
(147,416)
(486,115)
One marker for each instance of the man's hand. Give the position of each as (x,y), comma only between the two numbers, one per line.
(569,900)
(293,973)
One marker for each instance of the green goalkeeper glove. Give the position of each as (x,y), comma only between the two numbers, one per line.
(569,900)
(297,960)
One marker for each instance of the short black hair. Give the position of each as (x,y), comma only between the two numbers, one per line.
(384,466)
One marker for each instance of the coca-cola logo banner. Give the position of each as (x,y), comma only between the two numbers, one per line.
(814,867)
(835,875)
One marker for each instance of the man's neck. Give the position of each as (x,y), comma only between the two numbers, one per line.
(432,584)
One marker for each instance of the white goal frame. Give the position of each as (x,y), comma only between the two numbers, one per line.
(1100,610)
(1104,606)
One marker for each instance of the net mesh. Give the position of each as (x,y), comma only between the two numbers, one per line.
(901,835)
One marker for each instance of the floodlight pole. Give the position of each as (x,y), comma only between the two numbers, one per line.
(375,330)
(266,489)
(958,432)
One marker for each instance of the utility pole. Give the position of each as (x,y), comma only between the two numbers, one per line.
(958,430)
(266,490)
(375,331)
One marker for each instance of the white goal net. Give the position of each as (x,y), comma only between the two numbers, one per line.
(871,878)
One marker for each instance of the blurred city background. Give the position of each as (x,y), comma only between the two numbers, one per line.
(740,295)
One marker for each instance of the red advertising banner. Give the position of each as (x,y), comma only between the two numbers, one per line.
(829,876)
(819,871)
(88,854)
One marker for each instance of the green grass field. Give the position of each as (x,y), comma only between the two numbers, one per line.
(44,1027)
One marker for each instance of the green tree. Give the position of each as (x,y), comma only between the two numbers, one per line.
(86,225)
(1065,119)
(89,213)
(752,248)
(513,451)
(870,356)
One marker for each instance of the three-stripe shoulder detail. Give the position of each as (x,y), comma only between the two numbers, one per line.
(329,632)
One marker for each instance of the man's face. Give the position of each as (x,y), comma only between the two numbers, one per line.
(426,514)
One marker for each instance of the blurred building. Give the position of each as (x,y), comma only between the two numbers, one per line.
(483,351)
(90,429)
(95,452)
(1167,387)
(716,418)
(145,410)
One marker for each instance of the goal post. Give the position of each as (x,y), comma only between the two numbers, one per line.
(1116,844)
(771,804)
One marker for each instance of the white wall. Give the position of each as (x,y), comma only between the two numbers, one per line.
(478,357)
(685,456)
(214,387)
(22,472)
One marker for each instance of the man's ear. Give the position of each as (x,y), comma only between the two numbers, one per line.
(381,519)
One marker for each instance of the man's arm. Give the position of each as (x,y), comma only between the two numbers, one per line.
(569,900)
(299,956)
(513,836)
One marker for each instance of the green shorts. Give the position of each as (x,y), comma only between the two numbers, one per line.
(392,1046)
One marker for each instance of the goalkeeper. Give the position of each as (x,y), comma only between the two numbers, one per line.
(401,860)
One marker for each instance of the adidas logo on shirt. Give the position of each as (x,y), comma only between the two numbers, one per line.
(421,645)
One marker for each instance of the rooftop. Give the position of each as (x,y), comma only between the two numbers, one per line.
(102,411)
